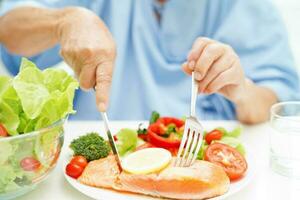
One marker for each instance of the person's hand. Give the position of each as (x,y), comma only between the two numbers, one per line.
(88,47)
(217,68)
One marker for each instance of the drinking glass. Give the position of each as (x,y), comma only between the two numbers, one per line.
(285,139)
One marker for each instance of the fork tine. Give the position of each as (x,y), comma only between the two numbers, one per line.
(183,141)
(191,151)
(199,139)
(187,147)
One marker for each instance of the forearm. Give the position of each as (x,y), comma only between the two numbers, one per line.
(29,30)
(254,103)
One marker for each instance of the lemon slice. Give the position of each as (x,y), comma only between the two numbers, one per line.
(146,161)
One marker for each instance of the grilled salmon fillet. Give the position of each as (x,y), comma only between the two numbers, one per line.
(200,181)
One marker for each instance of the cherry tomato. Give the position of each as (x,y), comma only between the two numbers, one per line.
(145,146)
(213,135)
(3,132)
(233,163)
(74,170)
(79,160)
(30,164)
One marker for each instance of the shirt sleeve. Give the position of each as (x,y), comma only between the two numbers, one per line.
(257,33)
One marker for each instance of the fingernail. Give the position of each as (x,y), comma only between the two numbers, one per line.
(198,76)
(191,64)
(102,107)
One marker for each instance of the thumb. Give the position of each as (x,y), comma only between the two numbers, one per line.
(104,74)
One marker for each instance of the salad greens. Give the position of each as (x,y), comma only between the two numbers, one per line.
(231,138)
(35,99)
(32,100)
(127,140)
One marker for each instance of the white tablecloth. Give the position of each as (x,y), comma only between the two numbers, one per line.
(265,184)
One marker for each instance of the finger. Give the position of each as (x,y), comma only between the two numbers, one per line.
(219,66)
(186,68)
(104,74)
(196,50)
(68,58)
(224,79)
(209,55)
(87,77)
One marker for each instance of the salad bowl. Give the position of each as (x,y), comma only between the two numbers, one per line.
(26,160)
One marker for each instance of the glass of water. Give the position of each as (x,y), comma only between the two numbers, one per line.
(285,139)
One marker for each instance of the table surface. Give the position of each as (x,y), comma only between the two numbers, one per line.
(265,184)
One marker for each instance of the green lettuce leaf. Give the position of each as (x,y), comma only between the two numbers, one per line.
(8,118)
(35,99)
(127,141)
(233,142)
(7,176)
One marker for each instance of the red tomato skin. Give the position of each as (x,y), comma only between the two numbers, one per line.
(3,131)
(79,160)
(74,170)
(232,175)
(213,135)
(30,164)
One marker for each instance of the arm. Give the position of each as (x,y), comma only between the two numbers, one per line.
(218,70)
(254,103)
(86,44)
(259,51)
(30,30)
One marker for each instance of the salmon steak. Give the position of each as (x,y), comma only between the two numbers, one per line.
(202,180)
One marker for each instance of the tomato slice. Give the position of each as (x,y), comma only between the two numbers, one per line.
(79,160)
(74,170)
(233,163)
(3,131)
(213,135)
(30,164)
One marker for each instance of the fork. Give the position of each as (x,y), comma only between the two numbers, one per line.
(193,134)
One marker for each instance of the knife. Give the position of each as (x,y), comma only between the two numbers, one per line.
(111,140)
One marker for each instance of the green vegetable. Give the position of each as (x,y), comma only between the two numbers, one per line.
(203,148)
(233,142)
(92,146)
(234,133)
(35,99)
(127,141)
(154,117)
(32,100)
(7,176)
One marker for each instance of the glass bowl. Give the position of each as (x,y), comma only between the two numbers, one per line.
(26,160)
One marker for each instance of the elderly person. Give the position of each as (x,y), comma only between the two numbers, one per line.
(135,51)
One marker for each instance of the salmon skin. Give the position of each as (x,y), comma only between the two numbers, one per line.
(202,180)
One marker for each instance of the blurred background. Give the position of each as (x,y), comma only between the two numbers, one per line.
(290,11)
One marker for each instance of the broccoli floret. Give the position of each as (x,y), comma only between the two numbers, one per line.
(92,146)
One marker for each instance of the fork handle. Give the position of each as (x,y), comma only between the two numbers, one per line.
(194,95)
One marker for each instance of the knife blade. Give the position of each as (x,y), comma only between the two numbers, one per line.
(111,140)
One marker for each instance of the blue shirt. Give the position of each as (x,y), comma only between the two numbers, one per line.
(148,73)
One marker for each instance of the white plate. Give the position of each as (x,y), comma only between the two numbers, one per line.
(105,194)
